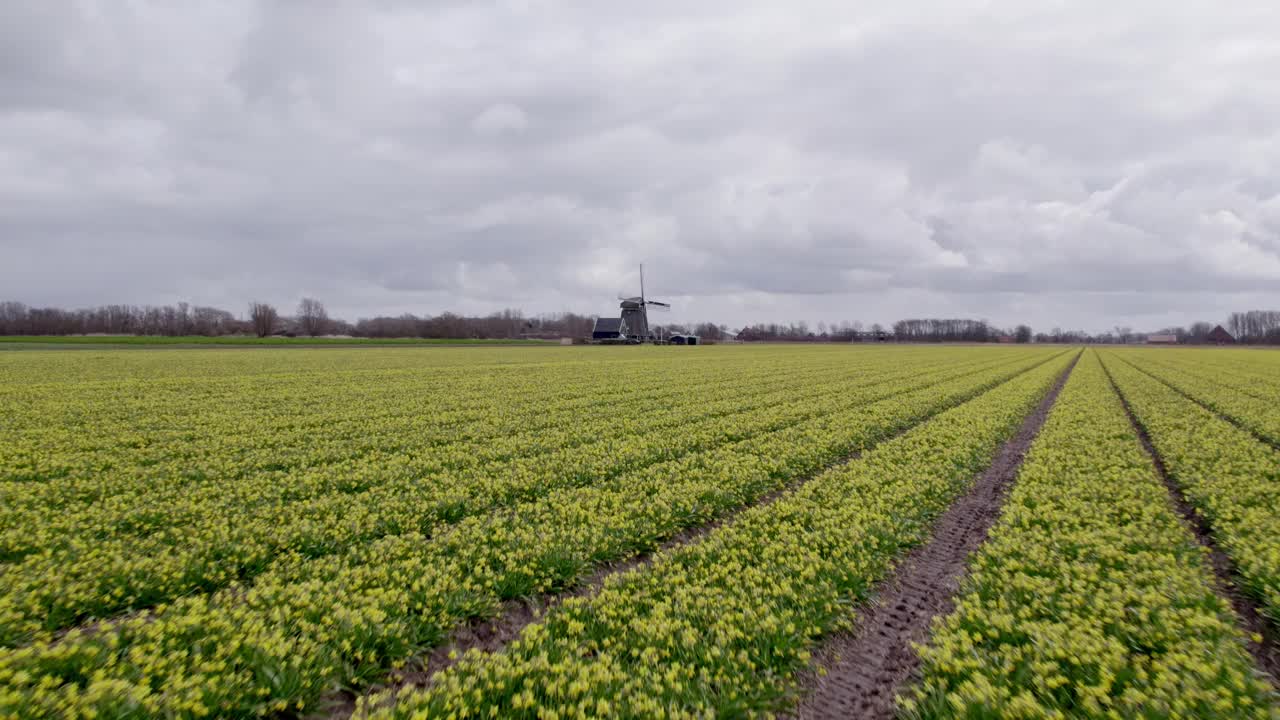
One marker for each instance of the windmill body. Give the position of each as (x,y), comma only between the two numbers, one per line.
(632,326)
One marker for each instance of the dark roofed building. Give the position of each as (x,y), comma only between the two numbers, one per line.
(1220,336)
(608,328)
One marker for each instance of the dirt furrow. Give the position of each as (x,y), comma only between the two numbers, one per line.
(865,668)
(1266,654)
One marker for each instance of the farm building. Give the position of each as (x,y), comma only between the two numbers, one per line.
(609,328)
(1162,339)
(1220,336)
(683,340)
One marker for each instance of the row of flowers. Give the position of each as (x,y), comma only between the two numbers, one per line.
(1090,597)
(1221,385)
(1231,478)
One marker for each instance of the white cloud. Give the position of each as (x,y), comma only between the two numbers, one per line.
(500,119)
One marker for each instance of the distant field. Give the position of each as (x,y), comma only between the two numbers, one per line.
(133,340)
(261,532)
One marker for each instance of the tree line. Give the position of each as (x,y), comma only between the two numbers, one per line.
(953,330)
(801,332)
(181,319)
(506,324)
(310,318)
(1260,327)
(170,320)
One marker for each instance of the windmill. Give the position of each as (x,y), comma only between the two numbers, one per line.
(632,327)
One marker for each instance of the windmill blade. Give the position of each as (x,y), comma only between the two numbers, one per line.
(659,304)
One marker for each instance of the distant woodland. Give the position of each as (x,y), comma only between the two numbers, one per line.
(311,319)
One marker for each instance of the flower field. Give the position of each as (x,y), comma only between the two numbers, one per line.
(271,532)
(1090,597)
(1225,464)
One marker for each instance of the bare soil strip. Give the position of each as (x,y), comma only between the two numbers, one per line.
(1266,654)
(866,667)
(494,633)
(1220,415)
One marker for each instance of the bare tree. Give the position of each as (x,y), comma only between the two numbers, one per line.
(263,317)
(943,330)
(13,318)
(313,320)
(1255,326)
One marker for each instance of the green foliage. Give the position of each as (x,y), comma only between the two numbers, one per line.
(237,533)
(721,627)
(1090,597)
(1242,386)
(1229,475)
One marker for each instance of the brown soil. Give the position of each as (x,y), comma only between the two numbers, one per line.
(866,666)
(1266,654)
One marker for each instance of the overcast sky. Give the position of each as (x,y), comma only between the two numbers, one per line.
(1077,163)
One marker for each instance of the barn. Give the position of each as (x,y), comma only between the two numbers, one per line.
(1219,336)
(1162,339)
(609,328)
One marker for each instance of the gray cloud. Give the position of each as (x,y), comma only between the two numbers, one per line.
(1083,164)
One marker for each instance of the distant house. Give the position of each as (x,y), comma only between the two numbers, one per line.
(1162,339)
(1219,336)
(1005,338)
(607,328)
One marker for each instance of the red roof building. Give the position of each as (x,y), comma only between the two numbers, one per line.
(1219,336)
